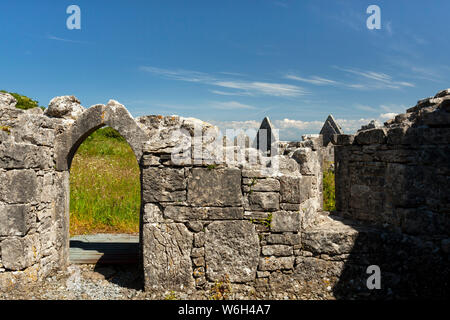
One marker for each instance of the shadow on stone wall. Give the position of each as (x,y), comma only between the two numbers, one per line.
(411,267)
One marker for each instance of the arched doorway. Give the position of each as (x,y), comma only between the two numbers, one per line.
(114,116)
(104,201)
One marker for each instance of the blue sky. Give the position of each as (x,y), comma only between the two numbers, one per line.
(231,62)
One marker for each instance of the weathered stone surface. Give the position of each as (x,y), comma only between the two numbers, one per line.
(14,220)
(18,186)
(264,201)
(371,136)
(266,185)
(153,214)
(277,250)
(295,189)
(232,249)
(7,100)
(308,161)
(214,187)
(20,253)
(284,238)
(331,237)
(276,263)
(68,107)
(285,221)
(164,184)
(20,156)
(167,257)
(183,214)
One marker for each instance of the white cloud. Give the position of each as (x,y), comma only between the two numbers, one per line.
(377,80)
(51,37)
(231,105)
(313,80)
(244,87)
(387,116)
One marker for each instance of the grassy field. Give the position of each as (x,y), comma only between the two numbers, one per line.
(104,186)
(329,196)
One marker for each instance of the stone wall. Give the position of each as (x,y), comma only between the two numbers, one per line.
(399,174)
(215,212)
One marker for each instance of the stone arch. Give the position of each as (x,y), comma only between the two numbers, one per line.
(114,115)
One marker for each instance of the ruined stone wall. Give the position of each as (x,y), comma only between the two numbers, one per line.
(219,220)
(219,212)
(399,174)
(31,207)
(215,212)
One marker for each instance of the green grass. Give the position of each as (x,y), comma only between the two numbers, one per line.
(104,186)
(329,196)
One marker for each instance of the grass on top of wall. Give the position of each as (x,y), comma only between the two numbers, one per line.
(104,186)
(329,196)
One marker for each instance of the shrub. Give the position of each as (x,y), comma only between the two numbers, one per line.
(23,102)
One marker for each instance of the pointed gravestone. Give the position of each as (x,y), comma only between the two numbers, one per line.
(266,136)
(330,128)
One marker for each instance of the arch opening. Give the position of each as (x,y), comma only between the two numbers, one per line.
(105,205)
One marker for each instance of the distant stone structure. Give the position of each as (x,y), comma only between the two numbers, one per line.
(237,214)
(329,130)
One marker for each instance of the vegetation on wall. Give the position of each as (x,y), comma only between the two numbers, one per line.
(24,102)
(329,196)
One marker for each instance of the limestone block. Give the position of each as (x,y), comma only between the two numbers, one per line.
(308,161)
(295,189)
(167,257)
(20,253)
(285,221)
(14,220)
(153,213)
(371,136)
(64,107)
(19,156)
(231,249)
(264,201)
(265,185)
(277,250)
(184,214)
(291,239)
(276,263)
(214,187)
(163,184)
(7,100)
(18,186)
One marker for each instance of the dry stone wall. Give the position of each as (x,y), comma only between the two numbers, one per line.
(215,212)
(218,212)
(399,174)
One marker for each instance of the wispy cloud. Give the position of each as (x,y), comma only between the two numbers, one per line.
(375,80)
(231,105)
(242,87)
(313,80)
(51,37)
